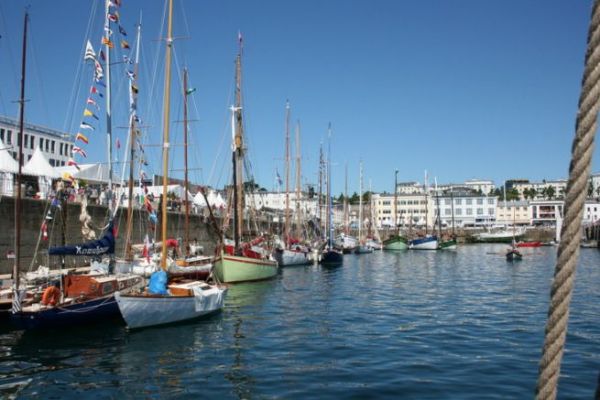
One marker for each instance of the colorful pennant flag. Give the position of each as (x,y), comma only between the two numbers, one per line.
(134,89)
(72,163)
(88,113)
(114,17)
(81,137)
(67,177)
(124,44)
(190,91)
(98,72)
(118,143)
(102,56)
(93,102)
(107,42)
(93,90)
(80,151)
(85,125)
(122,31)
(90,54)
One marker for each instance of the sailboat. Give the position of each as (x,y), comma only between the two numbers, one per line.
(71,299)
(290,252)
(373,239)
(330,257)
(395,242)
(362,247)
(512,254)
(427,242)
(164,303)
(241,264)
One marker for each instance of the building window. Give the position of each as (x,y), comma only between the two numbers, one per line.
(469,201)
(490,201)
(458,211)
(448,211)
(9,137)
(447,202)
(26,140)
(490,211)
(2,134)
(469,211)
(480,211)
(29,157)
(52,147)
(60,149)
(458,202)
(479,201)
(42,144)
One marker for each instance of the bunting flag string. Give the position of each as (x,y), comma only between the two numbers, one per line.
(90,54)
(72,163)
(124,44)
(88,113)
(93,102)
(122,31)
(80,151)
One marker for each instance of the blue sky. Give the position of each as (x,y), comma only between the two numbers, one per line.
(464,89)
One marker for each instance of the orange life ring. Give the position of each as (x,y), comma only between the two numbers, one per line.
(51,296)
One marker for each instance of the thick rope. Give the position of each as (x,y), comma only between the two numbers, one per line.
(568,250)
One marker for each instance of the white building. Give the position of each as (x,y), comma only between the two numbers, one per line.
(276,201)
(56,146)
(480,185)
(544,212)
(412,209)
(559,186)
(466,208)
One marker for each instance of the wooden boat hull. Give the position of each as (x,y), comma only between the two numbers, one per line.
(529,244)
(289,257)
(232,269)
(426,243)
(332,258)
(141,311)
(395,243)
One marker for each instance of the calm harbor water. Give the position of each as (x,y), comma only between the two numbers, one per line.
(457,324)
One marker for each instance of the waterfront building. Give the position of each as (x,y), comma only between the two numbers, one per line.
(517,212)
(413,209)
(544,212)
(276,201)
(467,207)
(483,186)
(559,186)
(55,145)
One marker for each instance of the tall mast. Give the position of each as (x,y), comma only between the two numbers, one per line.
(286,234)
(320,200)
(107,45)
(360,204)
(185,164)
(437,200)
(16,305)
(329,212)
(346,227)
(238,153)
(426,206)
(396,202)
(298,180)
(166,111)
(132,136)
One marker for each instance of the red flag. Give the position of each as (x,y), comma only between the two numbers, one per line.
(118,143)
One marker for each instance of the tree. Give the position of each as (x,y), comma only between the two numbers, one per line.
(590,189)
(340,198)
(354,198)
(512,194)
(550,192)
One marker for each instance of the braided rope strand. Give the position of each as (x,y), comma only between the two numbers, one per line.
(568,250)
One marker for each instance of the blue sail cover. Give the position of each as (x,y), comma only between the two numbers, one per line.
(105,245)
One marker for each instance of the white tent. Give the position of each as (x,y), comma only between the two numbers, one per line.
(214,199)
(94,173)
(8,167)
(39,166)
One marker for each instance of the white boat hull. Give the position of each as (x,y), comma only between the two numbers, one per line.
(141,311)
(289,257)
(428,243)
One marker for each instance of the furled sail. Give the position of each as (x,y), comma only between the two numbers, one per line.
(105,245)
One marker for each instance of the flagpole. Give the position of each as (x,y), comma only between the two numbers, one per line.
(107,32)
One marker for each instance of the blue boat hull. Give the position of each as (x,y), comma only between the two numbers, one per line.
(87,312)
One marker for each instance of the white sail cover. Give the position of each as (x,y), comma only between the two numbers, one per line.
(38,165)
(8,167)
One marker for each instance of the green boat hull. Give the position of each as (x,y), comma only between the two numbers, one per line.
(448,245)
(395,243)
(230,269)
